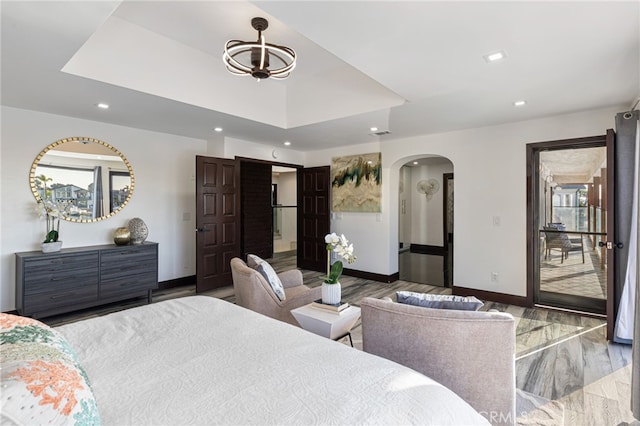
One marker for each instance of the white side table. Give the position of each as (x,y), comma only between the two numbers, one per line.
(332,325)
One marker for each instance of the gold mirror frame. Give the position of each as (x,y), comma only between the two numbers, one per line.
(58,143)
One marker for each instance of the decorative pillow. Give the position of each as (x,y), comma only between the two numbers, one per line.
(253,261)
(439,301)
(42,380)
(272,278)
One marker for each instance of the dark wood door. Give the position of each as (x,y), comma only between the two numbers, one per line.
(257,212)
(217,221)
(313,217)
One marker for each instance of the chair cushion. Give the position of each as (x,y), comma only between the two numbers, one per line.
(42,380)
(271,277)
(439,301)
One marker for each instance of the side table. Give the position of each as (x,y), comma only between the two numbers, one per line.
(332,325)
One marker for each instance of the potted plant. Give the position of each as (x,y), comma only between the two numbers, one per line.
(331,288)
(51,212)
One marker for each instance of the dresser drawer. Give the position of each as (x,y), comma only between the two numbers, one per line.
(59,298)
(55,264)
(45,282)
(128,261)
(129,284)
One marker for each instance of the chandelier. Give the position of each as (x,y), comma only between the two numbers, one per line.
(254,57)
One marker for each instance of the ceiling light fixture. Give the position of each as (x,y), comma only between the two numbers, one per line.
(495,56)
(374,129)
(519,103)
(103,105)
(286,143)
(254,57)
(217,129)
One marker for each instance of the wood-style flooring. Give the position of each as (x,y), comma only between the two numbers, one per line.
(560,356)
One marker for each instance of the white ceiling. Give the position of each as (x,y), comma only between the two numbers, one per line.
(407,67)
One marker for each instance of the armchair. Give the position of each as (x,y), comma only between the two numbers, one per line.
(470,352)
(253,292)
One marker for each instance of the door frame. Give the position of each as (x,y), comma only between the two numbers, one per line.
(533,190)
(447,179)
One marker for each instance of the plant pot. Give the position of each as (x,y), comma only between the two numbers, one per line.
(331,293)
(51,247)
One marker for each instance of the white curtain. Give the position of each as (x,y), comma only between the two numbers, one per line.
(626,310)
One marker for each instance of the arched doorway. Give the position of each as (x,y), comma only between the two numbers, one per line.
(425,221)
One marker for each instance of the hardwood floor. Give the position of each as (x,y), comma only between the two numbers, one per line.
(560,356)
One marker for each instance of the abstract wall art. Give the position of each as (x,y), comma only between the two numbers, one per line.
(356,182)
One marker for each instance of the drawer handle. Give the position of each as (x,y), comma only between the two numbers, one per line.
(60,296)
(72,277)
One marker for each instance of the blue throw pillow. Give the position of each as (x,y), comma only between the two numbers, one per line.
(439,301)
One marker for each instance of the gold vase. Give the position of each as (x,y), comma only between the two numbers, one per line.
(122,236)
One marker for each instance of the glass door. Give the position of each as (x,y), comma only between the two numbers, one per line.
(571,225)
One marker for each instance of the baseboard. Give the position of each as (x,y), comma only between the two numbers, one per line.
(427,249)
(492,296)
(371,276)
(178,282)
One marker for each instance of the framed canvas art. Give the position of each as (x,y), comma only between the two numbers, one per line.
(356,182)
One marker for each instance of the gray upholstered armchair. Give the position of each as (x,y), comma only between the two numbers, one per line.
(253,292)
(470,352)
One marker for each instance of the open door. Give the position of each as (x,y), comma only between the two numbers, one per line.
(217,221)
(313,217)
(571,223)
(257,210)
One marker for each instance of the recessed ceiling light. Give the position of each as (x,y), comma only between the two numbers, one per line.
(520,103)
(103,105)
(287,143)
(374,129)
(217,129)
(495,56)
(415,163)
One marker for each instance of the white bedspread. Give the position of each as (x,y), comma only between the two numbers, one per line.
(200,360)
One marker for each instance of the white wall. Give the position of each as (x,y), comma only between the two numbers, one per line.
(490,180)
(426,215)
(164,194)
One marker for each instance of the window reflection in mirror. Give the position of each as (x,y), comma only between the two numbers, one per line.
(89,178)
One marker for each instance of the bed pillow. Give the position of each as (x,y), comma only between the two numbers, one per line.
(42,380)
(439,301)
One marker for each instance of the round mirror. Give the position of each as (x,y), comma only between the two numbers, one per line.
(89,178)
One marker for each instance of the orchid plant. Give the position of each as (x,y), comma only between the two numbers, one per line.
(51,212)
(340,245)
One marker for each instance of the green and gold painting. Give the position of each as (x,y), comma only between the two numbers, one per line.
(356,182)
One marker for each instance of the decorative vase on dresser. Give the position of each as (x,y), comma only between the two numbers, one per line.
(122,236)
(138,230)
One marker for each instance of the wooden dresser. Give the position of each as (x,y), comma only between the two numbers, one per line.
(81,277)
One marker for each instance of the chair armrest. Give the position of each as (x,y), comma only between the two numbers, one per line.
(470,352)
(291,278)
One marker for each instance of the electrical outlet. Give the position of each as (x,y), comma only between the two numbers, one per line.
(494,277)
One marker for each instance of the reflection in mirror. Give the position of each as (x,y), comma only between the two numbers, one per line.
(91,179)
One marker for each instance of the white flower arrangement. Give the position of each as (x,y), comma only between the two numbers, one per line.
(340,245)
(51,212)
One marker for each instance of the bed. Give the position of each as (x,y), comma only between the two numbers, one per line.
(200,360)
